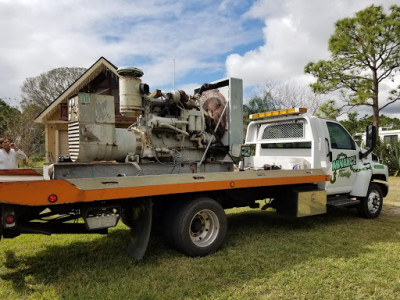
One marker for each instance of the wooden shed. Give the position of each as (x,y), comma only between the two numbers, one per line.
(101,78)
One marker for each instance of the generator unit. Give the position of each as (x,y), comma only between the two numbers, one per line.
(173,129)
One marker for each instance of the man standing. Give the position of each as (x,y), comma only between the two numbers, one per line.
(9,155)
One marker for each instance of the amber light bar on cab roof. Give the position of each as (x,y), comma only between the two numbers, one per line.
(276,113)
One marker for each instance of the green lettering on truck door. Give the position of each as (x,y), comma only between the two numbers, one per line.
(342,161)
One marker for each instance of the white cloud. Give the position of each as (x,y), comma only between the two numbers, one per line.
(41,35)
(295,33)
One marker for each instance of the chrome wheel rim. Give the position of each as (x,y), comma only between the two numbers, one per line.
(374,201)
(204,228)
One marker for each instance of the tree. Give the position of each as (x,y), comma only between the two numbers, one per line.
(275,96)
(354,124)
(365,54)
(46,87)
(37,93)
(28,134)
(20,127)
(328,110)
(9,116)
(258,104)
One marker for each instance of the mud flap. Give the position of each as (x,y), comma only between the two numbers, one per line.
(140,221)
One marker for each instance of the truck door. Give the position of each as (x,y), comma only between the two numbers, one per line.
(343,159)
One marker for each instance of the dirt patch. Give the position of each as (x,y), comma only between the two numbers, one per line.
(391,210)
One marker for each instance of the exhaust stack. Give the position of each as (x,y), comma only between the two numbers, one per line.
(131,90)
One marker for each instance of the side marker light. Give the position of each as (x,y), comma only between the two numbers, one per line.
(53,198)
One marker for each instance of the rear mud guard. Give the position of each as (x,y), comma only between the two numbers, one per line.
(140,221)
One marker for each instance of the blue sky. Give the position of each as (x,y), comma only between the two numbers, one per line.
(259,41)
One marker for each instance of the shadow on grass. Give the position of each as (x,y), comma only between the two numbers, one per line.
(256,239)
(340,233)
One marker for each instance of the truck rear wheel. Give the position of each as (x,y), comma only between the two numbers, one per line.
(197,227)
(371,205)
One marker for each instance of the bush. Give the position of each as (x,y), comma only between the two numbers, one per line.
(389,154)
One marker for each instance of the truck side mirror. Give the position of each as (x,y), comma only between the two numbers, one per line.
(370,136)
(370,140)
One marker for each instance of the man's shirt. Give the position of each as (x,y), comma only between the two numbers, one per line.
(10,160)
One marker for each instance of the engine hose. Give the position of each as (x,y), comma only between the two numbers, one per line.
(206,87)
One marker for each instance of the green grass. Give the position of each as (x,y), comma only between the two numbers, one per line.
(265,256)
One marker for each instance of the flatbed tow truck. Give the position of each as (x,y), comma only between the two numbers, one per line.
(183,163)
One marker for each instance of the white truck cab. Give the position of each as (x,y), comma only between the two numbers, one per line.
(291,139)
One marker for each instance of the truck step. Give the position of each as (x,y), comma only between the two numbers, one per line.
(342,202)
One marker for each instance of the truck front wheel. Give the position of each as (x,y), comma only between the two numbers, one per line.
(371,205)
(197,227)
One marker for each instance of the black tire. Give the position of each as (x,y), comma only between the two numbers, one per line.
(371,205)
(197,227)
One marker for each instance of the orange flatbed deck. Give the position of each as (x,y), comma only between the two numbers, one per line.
(36,192)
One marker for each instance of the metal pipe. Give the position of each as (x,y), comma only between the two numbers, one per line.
(213,137)
(173,128)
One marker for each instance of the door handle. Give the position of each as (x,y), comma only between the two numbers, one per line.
(329,150)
